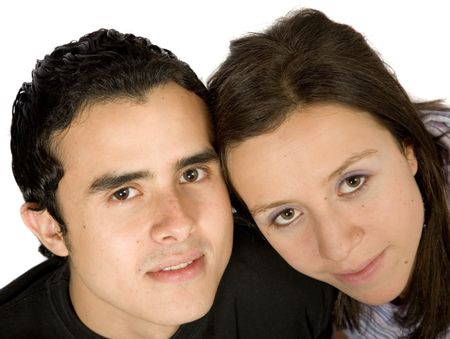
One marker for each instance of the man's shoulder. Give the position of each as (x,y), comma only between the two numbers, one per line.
(30,282)
(27,284)
(25,301)
(260,288)
(253,255)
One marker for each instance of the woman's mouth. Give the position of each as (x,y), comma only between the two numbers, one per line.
(363,274)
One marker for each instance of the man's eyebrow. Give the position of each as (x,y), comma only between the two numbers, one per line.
(207,155)
(110,181)
(351,160)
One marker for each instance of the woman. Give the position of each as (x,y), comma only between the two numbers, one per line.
(326,153)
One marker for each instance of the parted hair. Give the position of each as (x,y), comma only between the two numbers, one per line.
(304,59)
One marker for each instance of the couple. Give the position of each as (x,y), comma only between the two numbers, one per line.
(324,154)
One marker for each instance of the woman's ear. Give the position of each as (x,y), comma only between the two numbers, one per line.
(47,229)
(411,158)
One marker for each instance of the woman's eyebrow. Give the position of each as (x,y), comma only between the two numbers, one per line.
(262,207)
(351,160)
(347,162)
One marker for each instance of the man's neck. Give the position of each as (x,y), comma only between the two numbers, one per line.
(108,321)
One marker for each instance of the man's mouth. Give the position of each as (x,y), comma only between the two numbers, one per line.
(179,270)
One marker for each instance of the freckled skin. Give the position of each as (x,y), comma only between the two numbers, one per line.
(339,228)
(114,244)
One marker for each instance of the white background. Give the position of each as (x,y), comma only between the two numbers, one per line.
(412,37)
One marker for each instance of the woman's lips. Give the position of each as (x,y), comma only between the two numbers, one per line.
(363,274)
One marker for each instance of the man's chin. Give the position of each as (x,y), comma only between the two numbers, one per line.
(185,314)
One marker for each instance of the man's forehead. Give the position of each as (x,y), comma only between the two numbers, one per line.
(170,117)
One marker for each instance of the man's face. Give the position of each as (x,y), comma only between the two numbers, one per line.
(148,215)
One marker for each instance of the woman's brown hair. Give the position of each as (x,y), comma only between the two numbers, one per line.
(304,59)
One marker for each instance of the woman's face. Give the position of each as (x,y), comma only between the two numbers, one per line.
(335,195)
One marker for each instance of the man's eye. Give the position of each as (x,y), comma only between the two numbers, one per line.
(286,217)
(124,193)
(352,184)
(193,175)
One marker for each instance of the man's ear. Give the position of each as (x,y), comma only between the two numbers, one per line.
(47,229)
(411,158)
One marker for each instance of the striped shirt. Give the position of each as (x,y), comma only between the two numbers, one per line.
(378,322)
(438,125)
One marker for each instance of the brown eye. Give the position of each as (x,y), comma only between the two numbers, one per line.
(287,214)
(352,184)
(286,217)
(353,181)
(124,193)
(192,175)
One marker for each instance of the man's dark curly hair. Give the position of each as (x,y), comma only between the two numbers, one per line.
(102,65)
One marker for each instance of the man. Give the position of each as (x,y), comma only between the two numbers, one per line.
(112,149)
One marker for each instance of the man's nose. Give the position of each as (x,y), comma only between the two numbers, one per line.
(174,222)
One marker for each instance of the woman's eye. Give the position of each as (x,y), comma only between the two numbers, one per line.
(192,175)
(352,184)
(286,217)
(124,193)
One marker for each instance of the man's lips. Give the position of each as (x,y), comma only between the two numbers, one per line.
(363,273)
(178,261)
(178,269)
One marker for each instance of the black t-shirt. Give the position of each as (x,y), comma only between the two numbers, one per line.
(260,296)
